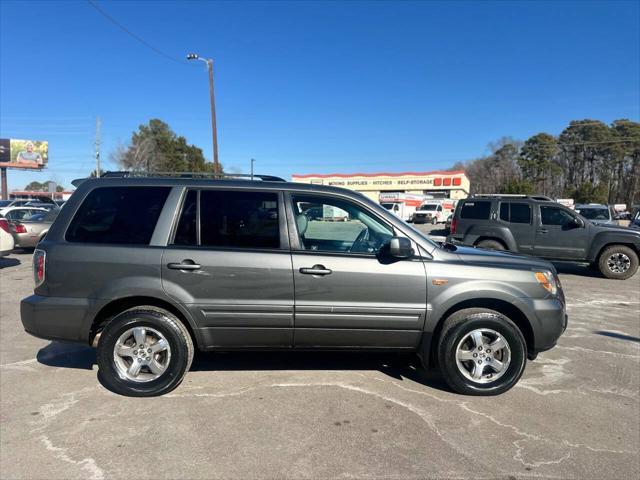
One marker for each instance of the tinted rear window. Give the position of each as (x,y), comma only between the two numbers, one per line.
(239,219)
(476,210)
(118,215)
(515,212)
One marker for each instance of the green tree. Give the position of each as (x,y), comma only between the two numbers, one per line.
(537,161)
(587,192)
(157,148)
(36,186)
(518,186)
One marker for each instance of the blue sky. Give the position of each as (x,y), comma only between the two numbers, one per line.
(314,87)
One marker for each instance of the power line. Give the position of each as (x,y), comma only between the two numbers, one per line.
(130,33)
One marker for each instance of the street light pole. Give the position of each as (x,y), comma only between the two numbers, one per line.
(214,128)
(252,162)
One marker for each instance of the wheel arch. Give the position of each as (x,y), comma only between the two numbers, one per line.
(114,307)
(602,248)
(517,316)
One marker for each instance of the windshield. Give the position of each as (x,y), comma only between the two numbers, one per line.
(594,213)
(5,203)
(429,207)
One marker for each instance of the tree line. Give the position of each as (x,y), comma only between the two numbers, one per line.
(589,161)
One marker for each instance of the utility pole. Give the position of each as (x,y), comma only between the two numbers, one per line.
(252,162)
(212,98)
(98,147)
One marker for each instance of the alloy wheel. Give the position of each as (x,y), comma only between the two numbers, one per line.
(483,355)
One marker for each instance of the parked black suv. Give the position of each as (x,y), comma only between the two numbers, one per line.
(151,269)
(536,225)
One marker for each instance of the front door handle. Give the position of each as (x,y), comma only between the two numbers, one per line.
(543,230)
(184,265)
(315,270)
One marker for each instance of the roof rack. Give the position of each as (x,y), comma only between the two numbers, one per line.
(205,175)
(513,195)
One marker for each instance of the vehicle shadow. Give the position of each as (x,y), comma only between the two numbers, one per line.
(439,232)
(9,262)
(397,366)
(67,355)
(619,336)
(577,269)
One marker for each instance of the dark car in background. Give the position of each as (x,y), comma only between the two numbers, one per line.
(538,226)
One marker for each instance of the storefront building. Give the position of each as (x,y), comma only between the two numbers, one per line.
(439,184)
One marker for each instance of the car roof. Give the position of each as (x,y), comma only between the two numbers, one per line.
(221,183)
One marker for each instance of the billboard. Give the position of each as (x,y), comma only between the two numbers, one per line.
(17,153)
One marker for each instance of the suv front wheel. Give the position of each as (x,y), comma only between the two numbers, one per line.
(618,262)
(481,352)
(143,352)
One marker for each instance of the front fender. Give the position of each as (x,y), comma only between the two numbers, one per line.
(612,237)
(481,290)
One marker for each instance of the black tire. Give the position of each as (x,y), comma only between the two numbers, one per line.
(174,331)
(434,221)
(454,330)
(492,244)
(613,251)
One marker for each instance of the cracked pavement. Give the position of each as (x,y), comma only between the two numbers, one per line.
(574,414)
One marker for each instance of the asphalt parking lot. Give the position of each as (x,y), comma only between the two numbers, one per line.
(574,414)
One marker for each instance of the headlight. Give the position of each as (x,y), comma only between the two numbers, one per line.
(548,282)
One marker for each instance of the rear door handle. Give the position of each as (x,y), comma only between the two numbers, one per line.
(184,265)
(543,230)
(315,270)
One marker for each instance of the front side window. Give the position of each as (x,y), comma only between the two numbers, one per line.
(555,216)
(343,227)
(238,219)
(476,210)
(118,215)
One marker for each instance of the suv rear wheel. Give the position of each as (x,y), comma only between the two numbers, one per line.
(618,262)
(145,351)
(492,244)
(481,352)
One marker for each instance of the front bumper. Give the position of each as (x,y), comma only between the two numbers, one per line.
(56,318)
(548,321)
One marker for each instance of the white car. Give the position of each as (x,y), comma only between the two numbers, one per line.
(13,214)
(6,239)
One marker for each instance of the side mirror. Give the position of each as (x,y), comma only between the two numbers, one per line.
(576,223)
(400,247)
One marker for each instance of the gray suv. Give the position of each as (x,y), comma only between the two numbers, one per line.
(536,225)
(150,269)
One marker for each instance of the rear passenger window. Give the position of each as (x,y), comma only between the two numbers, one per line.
(478,210)
(118,215)
(504,212)
(520,213)
(239,219)
(186,232)
(515,212)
